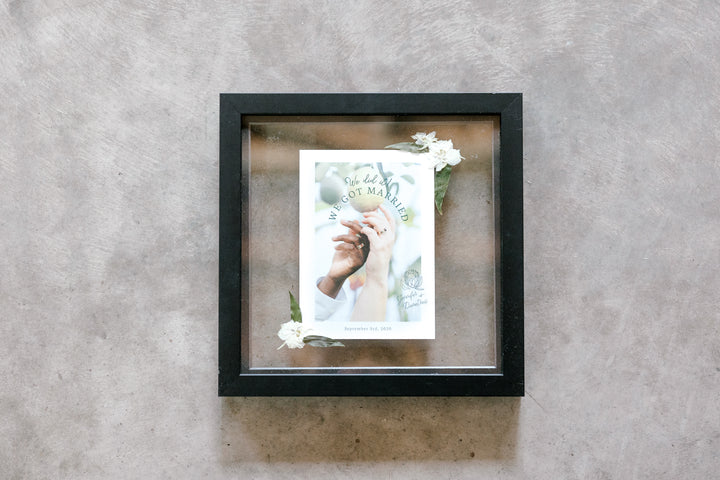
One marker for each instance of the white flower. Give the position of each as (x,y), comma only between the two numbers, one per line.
(442,153)
(453,157)
(292,334)
(424,139)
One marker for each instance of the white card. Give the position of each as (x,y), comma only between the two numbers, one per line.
(391,295)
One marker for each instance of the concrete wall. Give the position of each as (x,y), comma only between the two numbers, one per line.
(108,237)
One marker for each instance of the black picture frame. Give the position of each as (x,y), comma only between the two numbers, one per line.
(234,376)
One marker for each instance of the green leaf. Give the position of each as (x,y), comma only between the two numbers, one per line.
(295,313)
(408,179)
(406,147)
(319,341)
(442,180)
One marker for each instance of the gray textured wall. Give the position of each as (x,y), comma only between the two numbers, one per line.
(108,240)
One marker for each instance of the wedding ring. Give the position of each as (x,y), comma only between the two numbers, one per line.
(360,246)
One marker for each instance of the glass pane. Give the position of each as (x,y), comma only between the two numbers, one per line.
(464,241)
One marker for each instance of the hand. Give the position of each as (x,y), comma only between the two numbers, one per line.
(371,304)
(350,255)
(380,232)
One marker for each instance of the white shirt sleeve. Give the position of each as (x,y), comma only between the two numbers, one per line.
(326,306)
